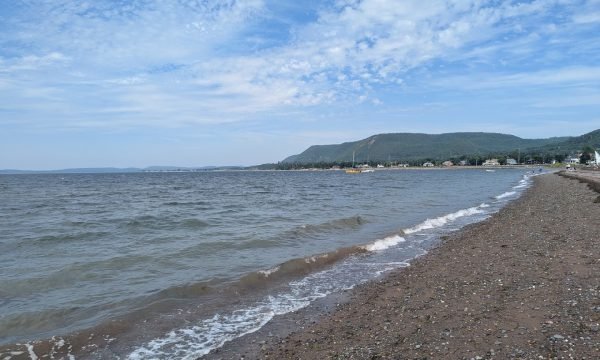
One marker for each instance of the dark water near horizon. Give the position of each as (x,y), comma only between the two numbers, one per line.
(187,261)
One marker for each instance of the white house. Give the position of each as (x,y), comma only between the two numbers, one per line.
(510,161)
(428,164)
(491,162)
(448,163)
(572,160)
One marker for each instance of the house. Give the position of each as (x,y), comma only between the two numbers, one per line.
(448,163)
(510,161)
(491,162)
(428,164)
(463,163)
(572,160)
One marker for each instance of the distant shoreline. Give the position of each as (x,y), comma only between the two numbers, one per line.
(233,169)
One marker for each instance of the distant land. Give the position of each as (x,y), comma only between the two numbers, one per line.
(407,148)
(411,147)
(112,170)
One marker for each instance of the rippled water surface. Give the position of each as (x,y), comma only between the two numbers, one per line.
(79,250)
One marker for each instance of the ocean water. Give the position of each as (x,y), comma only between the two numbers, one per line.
(173,265)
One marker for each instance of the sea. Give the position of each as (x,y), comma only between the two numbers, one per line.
(172,265)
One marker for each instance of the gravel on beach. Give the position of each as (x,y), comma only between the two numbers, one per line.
(523,284)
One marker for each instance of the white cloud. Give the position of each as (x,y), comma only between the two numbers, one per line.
(32,62)
(170,63)
(567,76)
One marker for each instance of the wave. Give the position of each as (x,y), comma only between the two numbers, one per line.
(385,243)
(288,270)
(187,291)
(443,220)
(352,222)
(193,223)
(62,238)
(505,195)
(194,341)
(299,266)
(158,223)
(186,203)
(198,340)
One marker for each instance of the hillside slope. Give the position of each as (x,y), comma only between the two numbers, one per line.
(410,146)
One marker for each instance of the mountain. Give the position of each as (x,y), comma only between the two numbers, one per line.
(411,146)
(572,144)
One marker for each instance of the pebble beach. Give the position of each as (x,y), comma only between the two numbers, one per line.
(523,284)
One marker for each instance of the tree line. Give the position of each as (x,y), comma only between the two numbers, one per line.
(470,160)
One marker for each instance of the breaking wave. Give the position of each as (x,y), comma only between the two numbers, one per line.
(505,195)
(385,243)
(445,219)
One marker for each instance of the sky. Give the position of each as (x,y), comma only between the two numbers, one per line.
(223,82)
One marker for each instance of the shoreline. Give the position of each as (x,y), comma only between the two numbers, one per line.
(521,284)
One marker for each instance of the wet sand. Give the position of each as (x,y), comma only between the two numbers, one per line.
(523,284)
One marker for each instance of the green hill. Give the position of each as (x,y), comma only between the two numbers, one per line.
(411,147)
(572,144)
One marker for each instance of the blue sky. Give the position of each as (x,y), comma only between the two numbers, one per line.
(202,82)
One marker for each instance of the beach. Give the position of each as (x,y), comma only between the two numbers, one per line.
(522,284)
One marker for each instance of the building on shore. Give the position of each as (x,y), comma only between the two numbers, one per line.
(510,161)
(428,164)
(491,162)
(448,163)
(572,160)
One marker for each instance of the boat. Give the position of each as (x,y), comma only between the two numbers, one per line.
(353,170)
(367,170)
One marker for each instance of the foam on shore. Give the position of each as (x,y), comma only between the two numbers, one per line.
(445,219)
(385,243)
(505,195)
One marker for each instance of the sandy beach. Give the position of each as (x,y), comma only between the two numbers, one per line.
(523,284)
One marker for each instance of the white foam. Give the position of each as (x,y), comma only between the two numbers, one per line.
(384,243)
(506,194)
(197,340)
(193,342)
(32,354)
(443,220)
(268,272)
